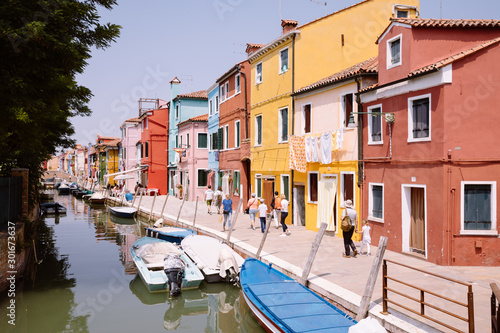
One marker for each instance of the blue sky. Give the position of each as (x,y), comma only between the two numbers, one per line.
(198,41)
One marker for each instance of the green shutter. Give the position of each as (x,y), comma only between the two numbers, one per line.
(220,140)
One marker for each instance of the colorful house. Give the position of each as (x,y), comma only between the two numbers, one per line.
(233,138)
(326,128)
(182,107)
(299,57)
(192,166)
(214,178)
(106,151)
(130,130)
(154,146)
(430,178)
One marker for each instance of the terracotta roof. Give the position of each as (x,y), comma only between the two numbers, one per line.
(292,22)
(197,119)
(255,45)
(106,137)
(111,143)
(133,120)
(367,66)
(445,23)
(202,94)
(453,58)
(230,71)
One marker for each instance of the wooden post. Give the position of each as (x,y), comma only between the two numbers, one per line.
(163,208)
(139,204)
(152,206)
(370,284)
(312,254)
(195,210)
(135,195)
(180,209)
(233,222)
(268,223)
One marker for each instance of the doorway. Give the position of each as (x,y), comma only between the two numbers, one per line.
(300,204)
(414,219)
(268,192)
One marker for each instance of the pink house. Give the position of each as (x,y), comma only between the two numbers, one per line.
(431,165)
(128,157)
(192,157)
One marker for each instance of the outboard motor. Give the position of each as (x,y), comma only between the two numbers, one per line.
(174,269)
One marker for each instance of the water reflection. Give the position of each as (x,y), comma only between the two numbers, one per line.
(86,281)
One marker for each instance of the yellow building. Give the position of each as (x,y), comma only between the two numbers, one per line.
(301,56)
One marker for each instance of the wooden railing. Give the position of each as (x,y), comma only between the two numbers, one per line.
(495,309)
(425,304)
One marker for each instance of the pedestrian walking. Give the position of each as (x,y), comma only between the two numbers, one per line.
(276,206)
(253,208)
(218,198)
(262,215)
(284,214)
(227,206)
(353,217)
(367,238)
(209,195)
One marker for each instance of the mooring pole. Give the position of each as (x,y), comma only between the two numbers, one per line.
(163,208)
(370,284)
(152,206)
(135,195)
(180,209)
(312,254)
(195,210)
(264,236)
(139,204)
(233,222)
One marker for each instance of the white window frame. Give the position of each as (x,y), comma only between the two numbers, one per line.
(198,140)
(237,139)
(147,123)
(370,126)
(226,137)
(407,13)
(410,118)
(222,93)
(177,141)
(237,83)
(177,110)
(389,42)
(342,199)
(187,140)
(493,230)
(198,179)
(303,130)
(216,104)
(239,181)
(258,75)
(280,124)
(226,85)
(210,107)
(257,130)
(257,180)
(370,202)
(142,126)
(282,177)
(343,121)
(281,71)
(180,141)
(309,186)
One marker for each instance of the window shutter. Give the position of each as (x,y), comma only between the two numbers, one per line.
(220,140)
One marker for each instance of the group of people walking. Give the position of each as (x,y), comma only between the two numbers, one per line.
(279,211)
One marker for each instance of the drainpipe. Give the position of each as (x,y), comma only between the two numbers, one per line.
(360,132)
(293,124)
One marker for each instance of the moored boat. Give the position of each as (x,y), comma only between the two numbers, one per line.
(97,198)
(63,188)
(170,234)
(125,212)
(281,304)
(216,260)
(52,208)
(149,255)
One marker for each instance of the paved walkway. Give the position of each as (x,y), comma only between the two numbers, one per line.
(343,280)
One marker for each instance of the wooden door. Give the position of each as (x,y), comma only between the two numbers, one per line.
(268,193)
(417,226)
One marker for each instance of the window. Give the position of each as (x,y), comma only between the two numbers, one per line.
(210,108)
(258,130)
(258,73)
(202,140)
(348,105)
(419,118)
(237,134)
(124,153)
(180,141)
(177,111)
(147,123)
(283,61)
(142,126)
(236,182)
(222,93)
(258,186)
(312,182)
(347,187)
(285,186)
(202,180)
(237,83)
(394,52)
(213,141)
(478,207)
(146,149)
(187,140)
(401,13)
(376,202)
(283,125)
(176,141)
(220,138)
(375,125)
(306,117)
(216,104)
(226,137)
(227,90)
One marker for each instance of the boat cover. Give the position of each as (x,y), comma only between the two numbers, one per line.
(153,253)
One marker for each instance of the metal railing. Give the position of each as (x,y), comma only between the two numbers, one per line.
(495,309)
(424,303)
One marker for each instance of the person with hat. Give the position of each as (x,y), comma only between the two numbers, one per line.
(262,215)
(353,217)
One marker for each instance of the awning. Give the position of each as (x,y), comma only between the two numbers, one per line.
(122,172)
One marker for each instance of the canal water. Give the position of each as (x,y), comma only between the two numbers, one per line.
(83,279)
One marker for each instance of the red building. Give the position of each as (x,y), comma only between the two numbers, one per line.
(431,167)
(153,147)
(234,131)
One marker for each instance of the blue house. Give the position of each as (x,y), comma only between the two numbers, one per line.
(213,127)
(182,108)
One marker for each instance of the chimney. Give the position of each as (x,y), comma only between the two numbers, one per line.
(252,48)
(174,88)
(288,25)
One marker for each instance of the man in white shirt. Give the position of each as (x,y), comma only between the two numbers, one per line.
(209,195)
